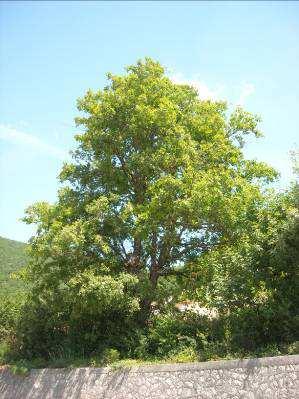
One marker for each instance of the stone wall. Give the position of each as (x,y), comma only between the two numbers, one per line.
(275,378)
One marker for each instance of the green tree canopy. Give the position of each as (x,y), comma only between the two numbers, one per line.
(158,177)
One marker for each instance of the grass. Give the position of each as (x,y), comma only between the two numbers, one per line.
(22,366)
(110,358)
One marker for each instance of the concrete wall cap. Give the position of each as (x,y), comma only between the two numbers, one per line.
(173,367)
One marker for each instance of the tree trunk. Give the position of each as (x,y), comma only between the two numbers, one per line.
(145,305)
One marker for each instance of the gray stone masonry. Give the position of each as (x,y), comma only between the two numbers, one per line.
(272,377)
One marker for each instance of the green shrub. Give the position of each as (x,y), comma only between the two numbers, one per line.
(21,367)
(110,355)
(293,348)
(187,354)
(258,326)
(174,331)
(4,352)
(10,310)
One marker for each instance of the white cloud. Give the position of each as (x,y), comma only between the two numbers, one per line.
(204,92)
(247,90)
(13,135)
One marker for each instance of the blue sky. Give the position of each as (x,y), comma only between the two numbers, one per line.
(52,52)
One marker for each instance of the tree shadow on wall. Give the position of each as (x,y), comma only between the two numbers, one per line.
(62,383)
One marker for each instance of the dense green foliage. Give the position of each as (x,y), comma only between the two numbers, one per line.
(160,205)
(12,259)
(255,280)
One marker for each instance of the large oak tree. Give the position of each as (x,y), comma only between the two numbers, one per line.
(158,177)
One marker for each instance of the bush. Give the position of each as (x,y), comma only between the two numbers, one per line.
(110,355)
(262,325)
(293,348)
(172,332)
(10,311)
(4,352)
(20,368)
(187,354)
